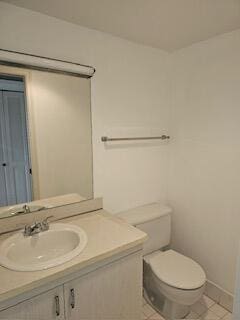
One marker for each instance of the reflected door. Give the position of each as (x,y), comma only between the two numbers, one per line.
(15,171)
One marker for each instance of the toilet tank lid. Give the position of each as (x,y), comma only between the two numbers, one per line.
(145,213)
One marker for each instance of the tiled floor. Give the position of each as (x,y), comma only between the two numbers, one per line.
(205,309)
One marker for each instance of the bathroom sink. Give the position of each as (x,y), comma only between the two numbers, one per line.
(61,243)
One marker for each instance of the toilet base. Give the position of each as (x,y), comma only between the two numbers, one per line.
(168,309)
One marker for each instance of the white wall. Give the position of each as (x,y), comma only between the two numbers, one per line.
(205,155)
(129,90)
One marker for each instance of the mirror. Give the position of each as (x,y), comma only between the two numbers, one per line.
(45,140)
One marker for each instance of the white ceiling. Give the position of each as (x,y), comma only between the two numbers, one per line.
(165,24)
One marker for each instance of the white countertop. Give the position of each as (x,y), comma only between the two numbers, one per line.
(107,236)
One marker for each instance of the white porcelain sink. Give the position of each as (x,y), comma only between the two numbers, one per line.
(61,243)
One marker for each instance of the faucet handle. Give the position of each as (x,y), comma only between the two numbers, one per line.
(47,218)
(45,224)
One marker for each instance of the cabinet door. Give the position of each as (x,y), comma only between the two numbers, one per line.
(46,306)
(110,292)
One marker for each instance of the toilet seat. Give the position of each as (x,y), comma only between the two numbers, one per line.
(176,270)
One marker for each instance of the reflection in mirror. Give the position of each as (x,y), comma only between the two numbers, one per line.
(45,140)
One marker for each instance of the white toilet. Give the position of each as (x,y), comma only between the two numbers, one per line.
(171,281)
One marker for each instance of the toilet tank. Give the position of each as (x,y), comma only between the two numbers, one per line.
(155,220)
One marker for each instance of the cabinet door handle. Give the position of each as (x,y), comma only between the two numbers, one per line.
(72,298)
(57,305)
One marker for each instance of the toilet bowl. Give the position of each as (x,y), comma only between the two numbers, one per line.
(172,282)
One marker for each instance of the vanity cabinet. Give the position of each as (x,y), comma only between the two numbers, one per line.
(112,291)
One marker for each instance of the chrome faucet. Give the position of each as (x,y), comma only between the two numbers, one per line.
(36,227)
(26,209)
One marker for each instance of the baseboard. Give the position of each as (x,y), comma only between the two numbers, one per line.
(219,295)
